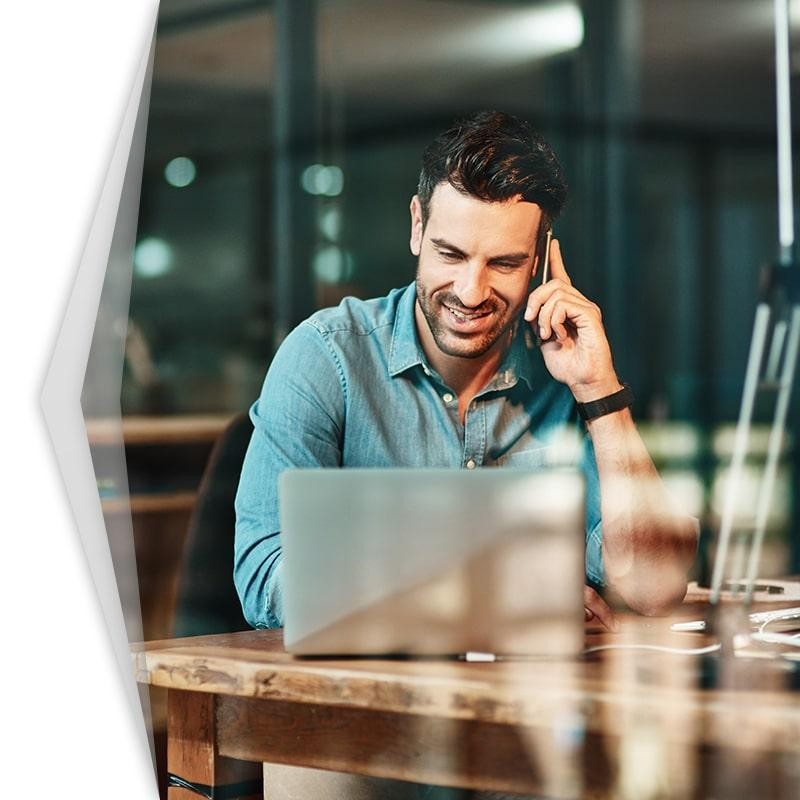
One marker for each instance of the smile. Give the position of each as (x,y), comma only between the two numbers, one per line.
(467,322)
(463,316)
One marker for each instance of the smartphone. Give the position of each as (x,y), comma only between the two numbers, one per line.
(545,260)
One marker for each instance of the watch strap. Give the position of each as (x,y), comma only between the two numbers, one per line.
(607,405)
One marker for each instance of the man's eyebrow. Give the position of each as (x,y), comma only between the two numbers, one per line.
(517,258)
(445,245)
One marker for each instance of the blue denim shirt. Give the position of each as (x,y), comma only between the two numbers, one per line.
(351,387)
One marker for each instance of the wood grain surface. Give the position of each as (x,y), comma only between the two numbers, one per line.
(616,723)
(195,756)
(605,691)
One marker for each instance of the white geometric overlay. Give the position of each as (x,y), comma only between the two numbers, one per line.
(93,332)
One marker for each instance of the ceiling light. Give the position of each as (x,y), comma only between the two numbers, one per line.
(152,257)
(180,172)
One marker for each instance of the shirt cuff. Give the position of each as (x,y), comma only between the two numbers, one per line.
(595,571)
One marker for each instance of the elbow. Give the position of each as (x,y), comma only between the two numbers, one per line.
(652,580)
(259,595)
(260,613)
(248,600)
(658,602)
(653,590)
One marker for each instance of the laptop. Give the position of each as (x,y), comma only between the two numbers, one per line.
(432,561)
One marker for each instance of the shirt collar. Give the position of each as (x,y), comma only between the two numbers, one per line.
(406,350)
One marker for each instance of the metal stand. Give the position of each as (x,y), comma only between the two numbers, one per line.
(770,372)
(771,362)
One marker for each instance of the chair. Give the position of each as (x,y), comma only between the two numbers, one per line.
(207,601)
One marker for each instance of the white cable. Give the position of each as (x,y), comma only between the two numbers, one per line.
(762,632)
(682,651)
(766,638)
(776,638)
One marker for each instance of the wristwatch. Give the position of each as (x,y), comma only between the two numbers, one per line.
(607,405)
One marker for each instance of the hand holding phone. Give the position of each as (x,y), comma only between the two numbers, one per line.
(569,330)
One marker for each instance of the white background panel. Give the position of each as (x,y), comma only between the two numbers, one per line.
(66,71)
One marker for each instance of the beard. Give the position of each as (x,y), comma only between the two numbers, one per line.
(440,309)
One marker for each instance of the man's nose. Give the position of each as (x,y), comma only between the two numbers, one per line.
(471,287)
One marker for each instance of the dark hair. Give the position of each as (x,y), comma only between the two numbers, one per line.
(494,156)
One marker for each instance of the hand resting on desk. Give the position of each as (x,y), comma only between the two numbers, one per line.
(595,608)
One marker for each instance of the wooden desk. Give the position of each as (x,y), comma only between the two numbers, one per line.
(620,724)
(149,470)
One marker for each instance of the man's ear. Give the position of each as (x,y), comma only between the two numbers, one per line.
(415,243)
(535,267)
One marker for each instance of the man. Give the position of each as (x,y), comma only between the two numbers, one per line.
(446,373)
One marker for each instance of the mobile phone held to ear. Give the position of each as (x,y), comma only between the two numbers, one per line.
(545,277)
(548,238)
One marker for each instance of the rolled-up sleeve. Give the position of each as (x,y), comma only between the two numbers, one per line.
(298,422)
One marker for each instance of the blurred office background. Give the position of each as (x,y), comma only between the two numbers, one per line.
(284,142)
(283,147)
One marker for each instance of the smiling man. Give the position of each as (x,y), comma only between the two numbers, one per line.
(475,264)
(447,372)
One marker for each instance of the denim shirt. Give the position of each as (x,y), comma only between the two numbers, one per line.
(351,387)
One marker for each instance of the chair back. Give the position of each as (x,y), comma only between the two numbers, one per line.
(207,601)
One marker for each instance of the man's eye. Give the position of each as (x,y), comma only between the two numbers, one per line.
(449,256)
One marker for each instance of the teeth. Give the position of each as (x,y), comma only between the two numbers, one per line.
(461,315)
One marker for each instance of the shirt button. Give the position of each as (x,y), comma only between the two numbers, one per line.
(447,397)
(471,464)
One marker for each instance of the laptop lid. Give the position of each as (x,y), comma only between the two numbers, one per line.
(432,561)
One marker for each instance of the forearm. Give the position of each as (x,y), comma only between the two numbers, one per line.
(648,544)
(297,423)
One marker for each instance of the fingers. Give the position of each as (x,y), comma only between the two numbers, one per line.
(598,608)
(559,281)
(539,296)
(557,269)
(557,308)
(553,305)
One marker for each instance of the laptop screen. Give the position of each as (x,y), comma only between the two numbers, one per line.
(432,561)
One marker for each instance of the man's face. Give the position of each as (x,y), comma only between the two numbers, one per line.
(475,262)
